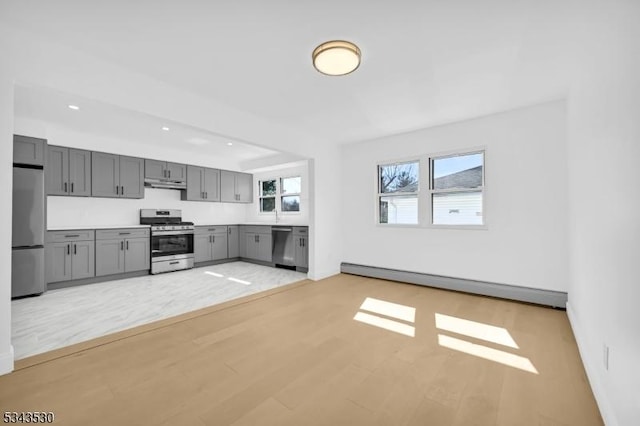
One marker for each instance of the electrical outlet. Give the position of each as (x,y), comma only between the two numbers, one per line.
(605,356)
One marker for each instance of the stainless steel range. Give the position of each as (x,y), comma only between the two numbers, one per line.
(171,240)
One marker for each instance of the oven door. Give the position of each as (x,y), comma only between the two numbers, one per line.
(171,243)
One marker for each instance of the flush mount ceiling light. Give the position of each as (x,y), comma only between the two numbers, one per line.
(337,57)
(165,128)
(74,107)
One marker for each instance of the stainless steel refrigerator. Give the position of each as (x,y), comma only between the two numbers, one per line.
(27,242)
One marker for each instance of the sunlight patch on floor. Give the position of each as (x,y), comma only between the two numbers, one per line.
(485,352)
(388,309)
(481,331)
(406,315)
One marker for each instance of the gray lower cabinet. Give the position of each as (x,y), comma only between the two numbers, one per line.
(210,243)
(236,187)
(301,240)
(68,171)
(233,242)
(116,176)
(69,255)
(122,250)
(258,247)
(28,150)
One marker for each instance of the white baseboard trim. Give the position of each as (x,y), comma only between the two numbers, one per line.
(6,361)
(590,368)
(553,298)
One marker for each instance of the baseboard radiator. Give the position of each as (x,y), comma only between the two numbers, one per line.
(556,299)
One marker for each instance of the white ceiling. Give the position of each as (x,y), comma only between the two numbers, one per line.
(424,62)
(110,121)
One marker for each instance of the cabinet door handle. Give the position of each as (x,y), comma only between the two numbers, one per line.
(72,236)
(206,195)
(71,186)
(122,190)
(169,173)
(75,249)
(164,173)
(121,245)
(213,237)
(127,244)
(65,187)
(210,238)
(117,190)
(68,249)
(229,231)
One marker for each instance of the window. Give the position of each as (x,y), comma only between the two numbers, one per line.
(457,185)
(285,191)
(267,195)
(290,194)
(398,186)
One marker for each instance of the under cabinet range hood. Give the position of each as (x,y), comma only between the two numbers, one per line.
(164,183)
(164,174)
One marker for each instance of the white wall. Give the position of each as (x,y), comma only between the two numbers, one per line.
(253,213)
(604,174)
(526,240)
(6,177)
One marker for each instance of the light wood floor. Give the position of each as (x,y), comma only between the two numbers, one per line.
(296,356)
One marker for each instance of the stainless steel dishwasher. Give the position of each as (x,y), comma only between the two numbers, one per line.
(283,248)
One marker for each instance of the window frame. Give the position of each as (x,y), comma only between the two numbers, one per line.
(261,196)
(425,207)
(379,194)
(278,196)
(290,194)
(431,190)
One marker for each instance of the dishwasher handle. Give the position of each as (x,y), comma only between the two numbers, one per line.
(282,229)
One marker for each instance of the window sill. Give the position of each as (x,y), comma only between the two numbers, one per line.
(449,227)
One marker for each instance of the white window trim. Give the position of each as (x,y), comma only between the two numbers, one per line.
(278,196)
(398,194)
(425,209)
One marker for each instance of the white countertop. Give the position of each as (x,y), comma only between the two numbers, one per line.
(69,228)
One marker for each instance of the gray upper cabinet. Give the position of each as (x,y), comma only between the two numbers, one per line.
(27,150)
(69,255)
(236,187)
(203,184)
(116,176)
(105,175)
(154,169)
(233,243)
(131,177)
(68,171)
(177,172)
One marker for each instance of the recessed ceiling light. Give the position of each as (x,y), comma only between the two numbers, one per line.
(336,57)
(74,107)
(229,143)
(165,128)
